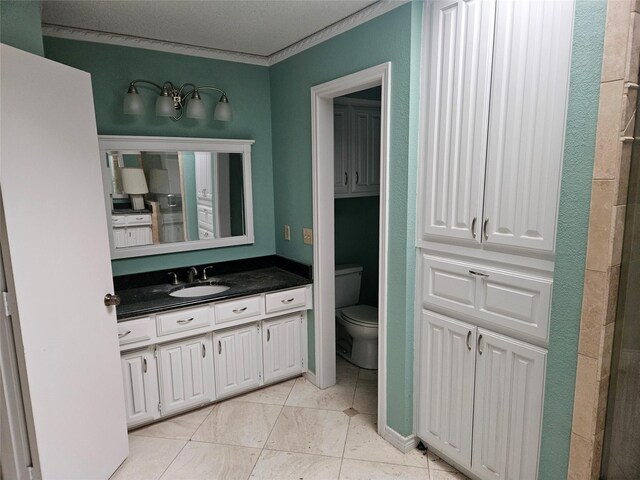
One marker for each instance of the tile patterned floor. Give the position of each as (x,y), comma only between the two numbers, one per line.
(291,430)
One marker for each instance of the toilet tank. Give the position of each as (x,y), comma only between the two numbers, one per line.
(348,285)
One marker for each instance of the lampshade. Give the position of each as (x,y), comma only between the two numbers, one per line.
(159,181)
(133,104)
(223,110)
(133,181)
(164,104)
(195,107)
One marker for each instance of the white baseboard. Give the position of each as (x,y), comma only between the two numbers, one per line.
(311,377)
(404,444)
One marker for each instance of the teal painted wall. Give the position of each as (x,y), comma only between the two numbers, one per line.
(20,25)
(190,196)
(247,86)
(392,37)
(356,241)
(571,241)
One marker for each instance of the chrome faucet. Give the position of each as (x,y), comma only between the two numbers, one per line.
(204,273)
(174,278)
(192,273)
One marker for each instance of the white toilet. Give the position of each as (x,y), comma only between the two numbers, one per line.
(356,325)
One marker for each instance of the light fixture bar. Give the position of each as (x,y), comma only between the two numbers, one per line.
(174,99)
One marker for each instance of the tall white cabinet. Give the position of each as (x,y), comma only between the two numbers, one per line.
(494,102)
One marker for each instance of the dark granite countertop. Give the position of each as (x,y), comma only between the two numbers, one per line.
(143,300)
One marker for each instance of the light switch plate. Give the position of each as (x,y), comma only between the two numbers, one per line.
(287,232)
(307,236)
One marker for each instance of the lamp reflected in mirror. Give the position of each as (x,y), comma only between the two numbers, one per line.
(134,184)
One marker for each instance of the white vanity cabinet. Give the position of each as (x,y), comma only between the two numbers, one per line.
(131,230)
(139,375)
(282,347)
(356,147)
(494,433)
(180,359)
(237,359)
(186,374)
(491,163)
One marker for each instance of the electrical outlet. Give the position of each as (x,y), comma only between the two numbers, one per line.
(307,236)
(287,232)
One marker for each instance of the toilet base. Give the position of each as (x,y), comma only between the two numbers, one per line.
(361,354)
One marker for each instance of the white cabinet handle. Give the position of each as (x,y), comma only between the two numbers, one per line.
(288,300)
(239,310)
(124,334)
(184,321)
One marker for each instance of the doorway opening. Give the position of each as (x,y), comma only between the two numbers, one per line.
(325,207)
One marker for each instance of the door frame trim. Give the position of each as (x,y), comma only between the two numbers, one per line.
(323,223)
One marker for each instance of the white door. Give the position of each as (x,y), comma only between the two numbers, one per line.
(340,149)
(508,408)
(237,359)
(529,92)
(458,48)
(447,364)
(66,338)
(282,347)
(140,378)
(186,374)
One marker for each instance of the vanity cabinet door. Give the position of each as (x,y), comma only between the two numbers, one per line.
(341,149)
(365,150)
(237,359)
(140,378)
(139,236)
(282,347)
(186,374)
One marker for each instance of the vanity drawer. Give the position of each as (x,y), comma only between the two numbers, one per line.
(236,309)
(118,220)
(183,320)
(286,300)
(135,331)
(143,219)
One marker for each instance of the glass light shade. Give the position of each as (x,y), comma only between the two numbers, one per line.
(196,109)
(133,181)
(133,104)
(165,107)
(223,110)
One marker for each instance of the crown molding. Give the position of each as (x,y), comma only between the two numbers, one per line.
(379,8)
(59,31)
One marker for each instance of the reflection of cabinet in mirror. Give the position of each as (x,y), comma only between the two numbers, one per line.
(198,193)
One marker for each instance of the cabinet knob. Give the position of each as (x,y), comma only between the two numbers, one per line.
(111,300)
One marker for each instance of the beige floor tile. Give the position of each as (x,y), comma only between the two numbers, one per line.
(274,394)
(366,398)
(306,394)
(442,475)
(305,430)
(346,372)
(361,470)
(206,461)
(367,376)
(364,443)
(238,423)
(295,466)
(436,463)
(181,427)
(148,458)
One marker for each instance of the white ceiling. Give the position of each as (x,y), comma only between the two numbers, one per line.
(258,27)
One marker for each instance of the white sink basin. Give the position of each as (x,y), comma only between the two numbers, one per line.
(199,291)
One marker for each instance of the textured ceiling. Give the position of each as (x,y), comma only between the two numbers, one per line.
(258,27)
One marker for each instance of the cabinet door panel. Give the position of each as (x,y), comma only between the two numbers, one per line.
(508,408)
(340,149)
(236,360)
(447,359)
(140,377)
(186,370)
(361,122)
(460,37)
(448,284)
(282,348)
(526,127)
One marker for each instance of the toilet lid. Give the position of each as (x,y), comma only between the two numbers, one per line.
(364,314)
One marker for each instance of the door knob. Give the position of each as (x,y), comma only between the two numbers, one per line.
(111,300)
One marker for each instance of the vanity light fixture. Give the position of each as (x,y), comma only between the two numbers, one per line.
(173,100)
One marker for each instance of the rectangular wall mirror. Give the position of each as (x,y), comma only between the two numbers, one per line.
(166,194)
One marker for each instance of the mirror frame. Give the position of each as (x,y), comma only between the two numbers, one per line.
(177,144)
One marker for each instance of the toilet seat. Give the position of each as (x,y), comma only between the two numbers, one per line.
(364,315)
